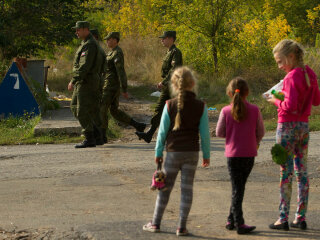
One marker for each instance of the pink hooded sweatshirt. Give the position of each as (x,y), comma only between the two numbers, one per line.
(298,97)
(242,138)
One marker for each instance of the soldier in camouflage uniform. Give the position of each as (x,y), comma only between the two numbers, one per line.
(96,35)
(85,83)
(172,60)
(114,77)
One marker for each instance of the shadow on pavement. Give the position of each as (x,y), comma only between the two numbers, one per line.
(305,234)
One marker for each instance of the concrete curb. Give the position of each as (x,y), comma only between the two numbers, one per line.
(59,121)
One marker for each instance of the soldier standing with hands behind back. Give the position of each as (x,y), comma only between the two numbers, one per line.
(172,60)
(114,77)
(87,67)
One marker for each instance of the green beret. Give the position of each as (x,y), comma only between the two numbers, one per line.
(115,35)
(168,34)
(81,24)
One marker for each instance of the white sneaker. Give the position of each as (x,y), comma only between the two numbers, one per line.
(149,227)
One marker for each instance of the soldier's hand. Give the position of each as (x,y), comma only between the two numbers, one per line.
(70,86)
(160,85)
(125,95)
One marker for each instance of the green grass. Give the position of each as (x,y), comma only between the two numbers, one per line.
(19,130)
(314,124)
(114,130)
(270,124)
(143,92)
(15,130)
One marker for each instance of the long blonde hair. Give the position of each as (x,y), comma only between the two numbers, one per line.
(237,89)
(288,46)
(181,79)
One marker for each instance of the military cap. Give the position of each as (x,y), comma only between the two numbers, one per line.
(81,24)
(95,33)
(168,34)
(115,35)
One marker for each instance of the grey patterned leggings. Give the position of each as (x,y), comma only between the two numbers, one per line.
(186,162)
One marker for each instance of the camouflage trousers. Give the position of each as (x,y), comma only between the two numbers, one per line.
(110,101)
(85,106)
(165,95)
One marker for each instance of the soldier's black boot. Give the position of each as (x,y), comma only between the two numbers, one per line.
(148,135)
(89,141)
(104,135)
(140,127)
(98,135)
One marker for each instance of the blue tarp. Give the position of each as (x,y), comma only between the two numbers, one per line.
(16,99)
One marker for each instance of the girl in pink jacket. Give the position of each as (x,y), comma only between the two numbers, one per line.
(240,123)
(301,91)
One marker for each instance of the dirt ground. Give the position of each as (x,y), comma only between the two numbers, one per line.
(141,111)
(59,192)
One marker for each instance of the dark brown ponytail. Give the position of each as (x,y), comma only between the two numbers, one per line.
(238,89)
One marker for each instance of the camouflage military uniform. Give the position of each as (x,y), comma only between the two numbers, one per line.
(114,77)
(87,67)
(103,70)
(96,35)
(172,60)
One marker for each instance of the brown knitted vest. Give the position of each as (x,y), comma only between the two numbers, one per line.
(186,138)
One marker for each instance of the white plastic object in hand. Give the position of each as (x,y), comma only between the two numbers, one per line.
(278,87)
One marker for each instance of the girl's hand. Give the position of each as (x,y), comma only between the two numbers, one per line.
(272,100)
(205,162)
(159,159)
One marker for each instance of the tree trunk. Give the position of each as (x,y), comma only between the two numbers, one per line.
(214,54)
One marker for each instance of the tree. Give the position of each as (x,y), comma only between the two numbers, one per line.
(207,18)
(296,13)
(28,27)
(314,22)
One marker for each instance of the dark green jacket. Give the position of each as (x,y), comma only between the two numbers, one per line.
(172,60)
(115,74)
(87,62)
(103,69)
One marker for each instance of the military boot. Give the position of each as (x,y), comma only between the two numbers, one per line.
(140,127)
(98,135)
(148,135)
(104,135)
(89,141)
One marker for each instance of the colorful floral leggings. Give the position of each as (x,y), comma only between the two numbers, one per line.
(294,136)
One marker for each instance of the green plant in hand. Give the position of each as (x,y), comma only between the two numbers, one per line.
(279,154)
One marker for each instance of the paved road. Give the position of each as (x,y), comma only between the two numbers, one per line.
(58,192)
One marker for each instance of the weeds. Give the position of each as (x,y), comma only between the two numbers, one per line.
(15,129)
(143,59)
(19,130)
(143,92)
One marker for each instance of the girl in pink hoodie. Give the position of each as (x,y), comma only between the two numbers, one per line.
(301,91)
(241,124)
